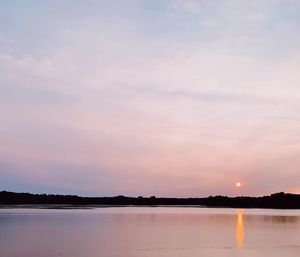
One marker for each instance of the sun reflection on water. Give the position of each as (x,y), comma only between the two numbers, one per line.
(240,233)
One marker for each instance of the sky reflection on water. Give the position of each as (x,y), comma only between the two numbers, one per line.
(149,232)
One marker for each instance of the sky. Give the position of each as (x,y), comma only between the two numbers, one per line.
(162,97)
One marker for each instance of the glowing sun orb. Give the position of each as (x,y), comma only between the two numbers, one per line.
(238,184)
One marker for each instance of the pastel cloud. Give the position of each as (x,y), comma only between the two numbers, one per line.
(162,97)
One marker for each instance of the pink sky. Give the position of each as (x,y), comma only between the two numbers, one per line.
(168,98)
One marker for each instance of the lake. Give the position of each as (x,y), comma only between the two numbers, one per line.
(149,232)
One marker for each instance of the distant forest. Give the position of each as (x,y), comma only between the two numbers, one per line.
(277,201)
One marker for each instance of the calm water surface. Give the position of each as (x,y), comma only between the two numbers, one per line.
(149,232)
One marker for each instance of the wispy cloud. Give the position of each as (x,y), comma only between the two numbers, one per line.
(206,96)
(150,93)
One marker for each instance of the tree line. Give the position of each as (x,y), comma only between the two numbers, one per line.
(278,200)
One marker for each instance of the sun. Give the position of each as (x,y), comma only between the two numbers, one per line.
(238,184)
